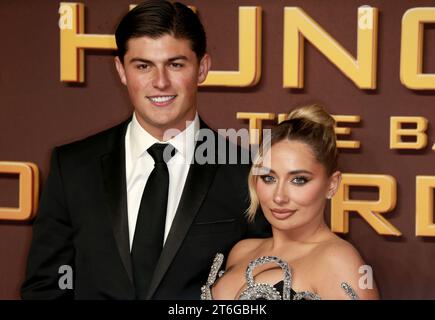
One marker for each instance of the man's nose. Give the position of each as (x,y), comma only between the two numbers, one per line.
(161,79)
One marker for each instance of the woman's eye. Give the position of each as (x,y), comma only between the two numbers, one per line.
(267,179)
(299,180)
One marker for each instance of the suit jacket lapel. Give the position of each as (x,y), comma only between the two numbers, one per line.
(114,176)
(194,191)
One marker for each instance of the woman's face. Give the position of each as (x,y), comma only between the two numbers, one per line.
(294,191)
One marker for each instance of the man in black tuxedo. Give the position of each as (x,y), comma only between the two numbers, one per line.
(135,211)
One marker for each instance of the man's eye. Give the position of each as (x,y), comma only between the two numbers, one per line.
(176,65)
(267,179)
(299,180)
(142,66)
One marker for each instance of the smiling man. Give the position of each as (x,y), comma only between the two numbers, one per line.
(162,76)
(129,211)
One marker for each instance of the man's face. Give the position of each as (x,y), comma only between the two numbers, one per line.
(162,77)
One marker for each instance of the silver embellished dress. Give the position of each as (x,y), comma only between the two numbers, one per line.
(263,291)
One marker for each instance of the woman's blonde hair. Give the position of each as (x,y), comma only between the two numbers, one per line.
(311,125)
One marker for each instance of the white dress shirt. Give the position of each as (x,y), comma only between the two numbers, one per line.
(139,164)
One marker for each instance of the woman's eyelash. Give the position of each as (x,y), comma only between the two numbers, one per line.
(267,178)
(300,180)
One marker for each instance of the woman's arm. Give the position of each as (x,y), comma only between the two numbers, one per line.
(340,267)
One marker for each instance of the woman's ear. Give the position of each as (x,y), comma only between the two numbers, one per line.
(334,183)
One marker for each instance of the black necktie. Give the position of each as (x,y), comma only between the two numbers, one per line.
(150,224)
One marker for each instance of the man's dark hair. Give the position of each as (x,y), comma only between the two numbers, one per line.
(155,18)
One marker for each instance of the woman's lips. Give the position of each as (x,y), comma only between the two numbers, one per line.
(282,214)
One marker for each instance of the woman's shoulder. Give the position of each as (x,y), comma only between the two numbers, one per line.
(242,249)
(339,263)
(337,251)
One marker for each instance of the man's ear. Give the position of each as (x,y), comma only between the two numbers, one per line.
(334,183)
(121,71)
(204,67)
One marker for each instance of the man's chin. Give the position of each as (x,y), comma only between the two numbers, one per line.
(168,127)
(164,122)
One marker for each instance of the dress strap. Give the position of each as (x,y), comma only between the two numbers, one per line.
(263,290)
(214,272)
(349,291)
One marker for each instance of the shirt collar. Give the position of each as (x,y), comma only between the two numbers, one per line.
(184,141)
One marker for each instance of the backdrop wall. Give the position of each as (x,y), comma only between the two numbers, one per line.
(38,112)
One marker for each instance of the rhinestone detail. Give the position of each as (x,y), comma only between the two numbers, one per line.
(264,290)
(349,291)
(214,270)
(256,291)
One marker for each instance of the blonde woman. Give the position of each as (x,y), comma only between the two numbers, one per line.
(303,259)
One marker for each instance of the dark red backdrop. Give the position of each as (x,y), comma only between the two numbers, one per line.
(39,112)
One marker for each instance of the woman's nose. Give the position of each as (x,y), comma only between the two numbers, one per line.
(281,195)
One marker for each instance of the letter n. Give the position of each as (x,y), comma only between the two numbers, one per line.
(299,26)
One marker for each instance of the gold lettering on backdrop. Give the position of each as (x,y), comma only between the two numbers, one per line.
(28,190)
(365,18)
(342,144)
(424,209)
(66,17)
(411,52)
(299,26)
(249,53)
(371,211)
(255,124)
(346,144)
(397,132)
(73,42)
(282,117)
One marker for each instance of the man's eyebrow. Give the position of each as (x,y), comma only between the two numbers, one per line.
(140,60)
(137,59)
(180,57)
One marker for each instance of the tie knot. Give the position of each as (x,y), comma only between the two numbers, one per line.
(161,152)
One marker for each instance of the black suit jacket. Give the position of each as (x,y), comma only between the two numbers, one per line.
(82,222)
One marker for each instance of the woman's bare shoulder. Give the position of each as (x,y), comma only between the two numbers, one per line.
(242,249)
(337,250)
(338,262)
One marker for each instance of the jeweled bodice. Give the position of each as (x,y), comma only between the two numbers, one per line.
(264,291)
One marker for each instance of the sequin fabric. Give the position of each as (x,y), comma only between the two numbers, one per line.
(256,291)
(349,291)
